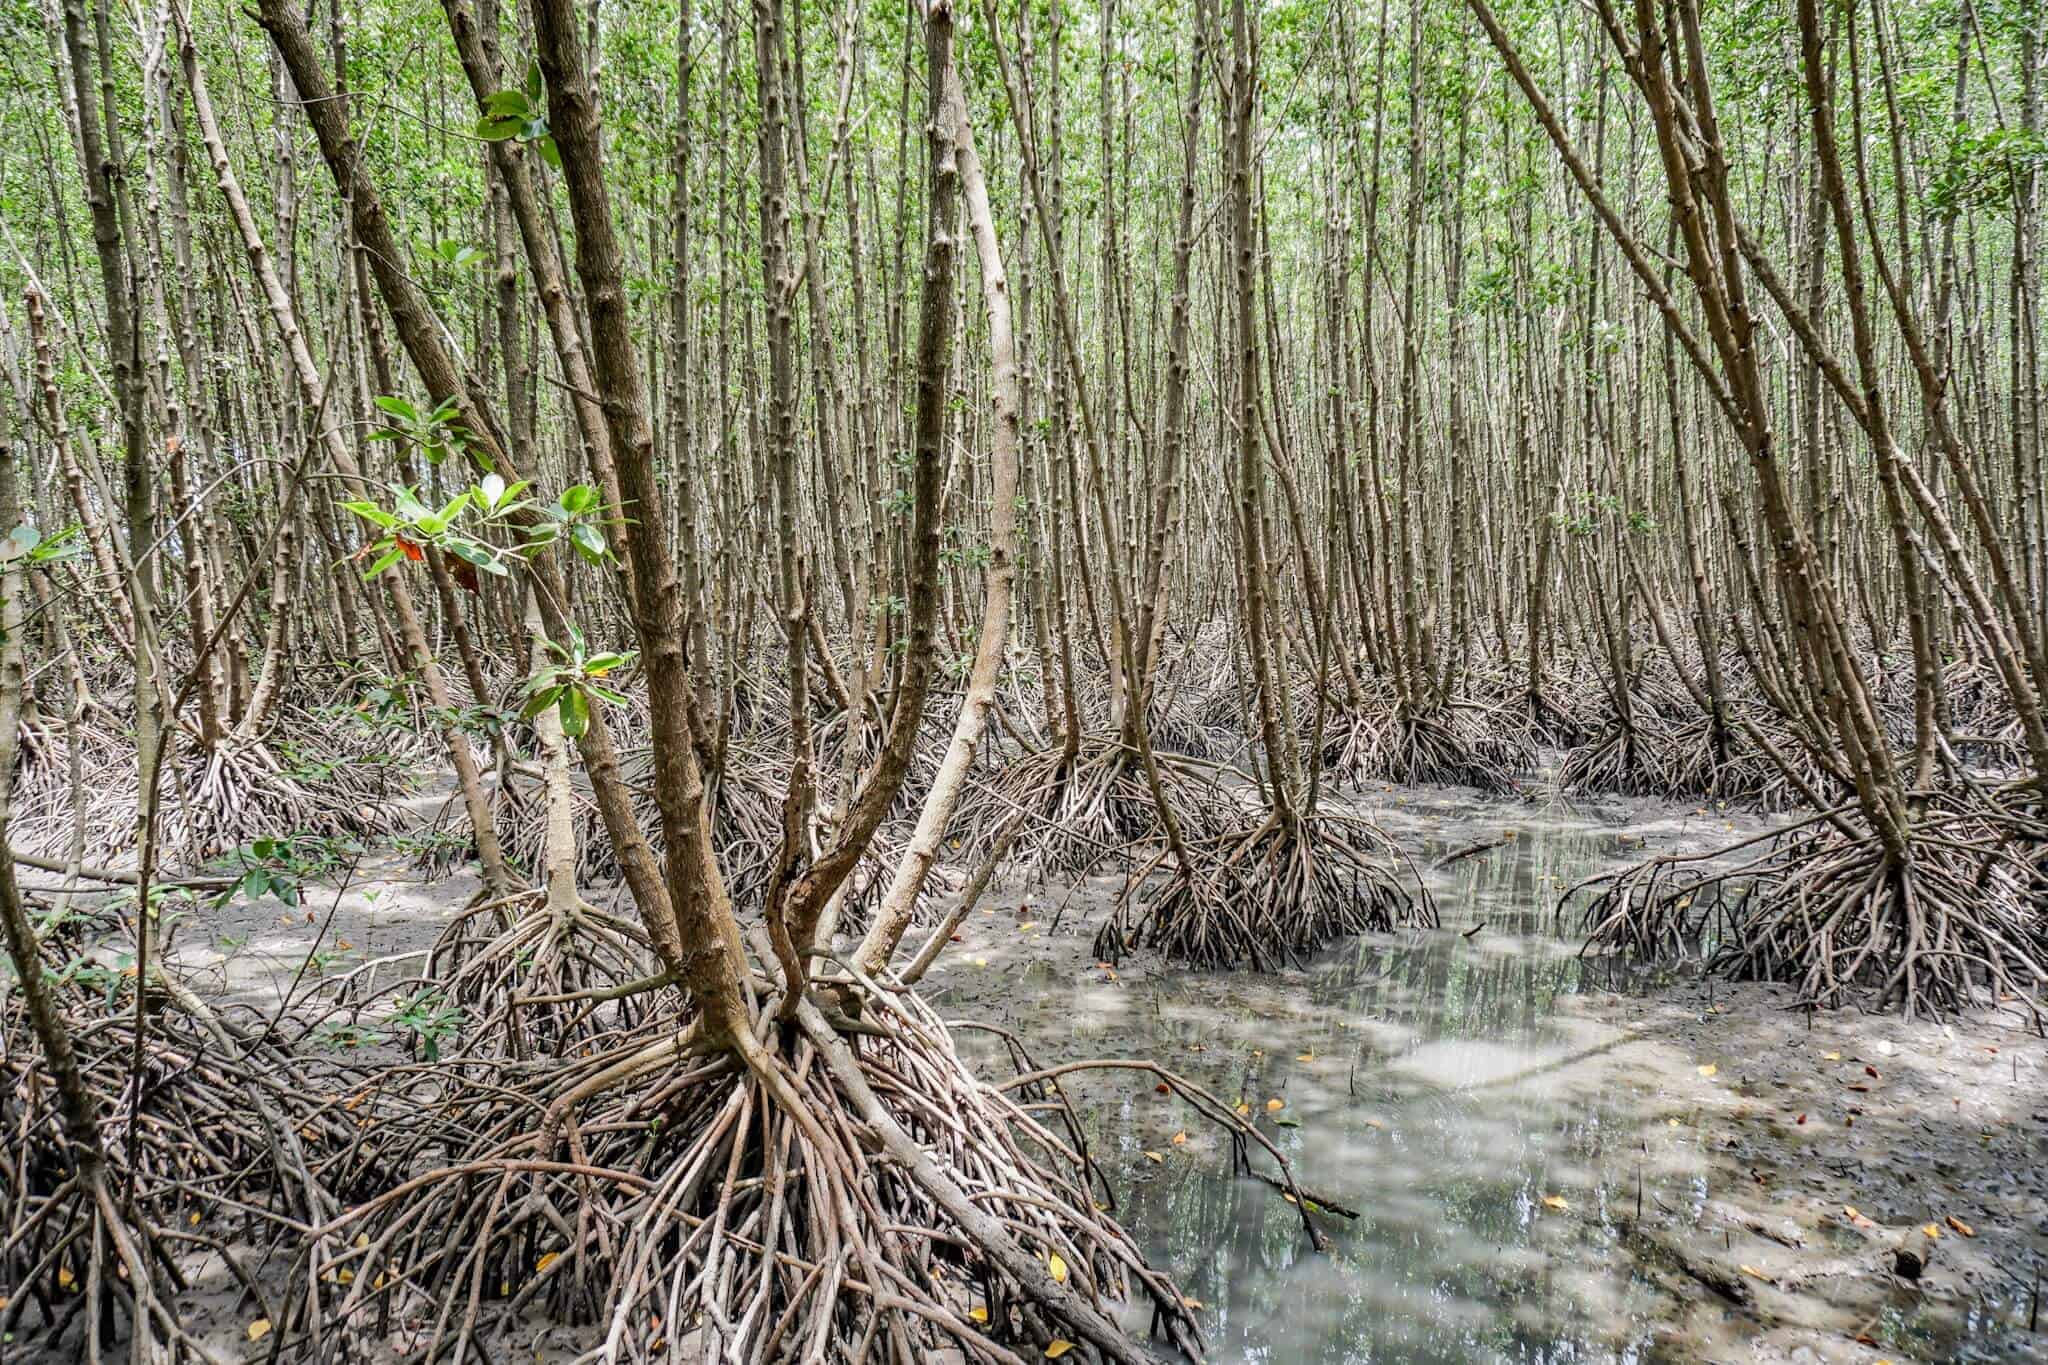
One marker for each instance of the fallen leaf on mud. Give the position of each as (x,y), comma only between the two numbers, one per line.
(1057,1266)
(1933,1231)
(540,1267)
(1802,1118)
(1375,1123)
(1756,1274)
(1274,1106)
(259,1329)
(1871,1072)
(1180,1139)
(1855,1218)
(1027,924)
(1155,1156)
(65,1279)
(1187,1302)
(1556,1201)
(1960,1226)
(1058,1347)
(978,1313)
(1709,1069)
(1163,1088)
(1831,1056)
(1306,1057)
(980,961)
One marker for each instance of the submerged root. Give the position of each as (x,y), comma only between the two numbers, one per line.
(808,1196)
(1955,920)
(1270,897)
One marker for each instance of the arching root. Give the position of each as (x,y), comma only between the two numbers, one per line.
(1080,813)
(223,1139)
(815,1196)
(1461,744)
(531,978)
(1270,897)
(1956,921)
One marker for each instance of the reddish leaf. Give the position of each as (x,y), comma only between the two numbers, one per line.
(412,551)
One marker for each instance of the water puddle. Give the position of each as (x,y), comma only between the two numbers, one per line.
(1490,1131)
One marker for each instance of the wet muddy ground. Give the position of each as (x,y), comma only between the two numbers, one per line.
(1549,1159)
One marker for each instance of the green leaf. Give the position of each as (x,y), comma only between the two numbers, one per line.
(397,407)
(549,152)
(534,84)
(501,128)
(575,713)
(390,557)
(508,102)
(370,511)
(539,702)
(578,499)
(589,542)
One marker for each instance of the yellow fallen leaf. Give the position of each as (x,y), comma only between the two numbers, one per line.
(540,1266)
(1155,1156)
(1057,1266)
(1671,1123)
(65,1279)
(1058,1347)
(194,1220)
(1187,1302)
(1960,1226)
(1027,924)
(1306,1057)
(1555,1201)
(1376,1124)
(1933,1231)
(1709,1069)
(1756,1274)
(1180,1139)
(981,962)
(978,1313)
(1243,1108)
(1274,1106)
(1831,1056)
(345,1276)
(259,1329)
